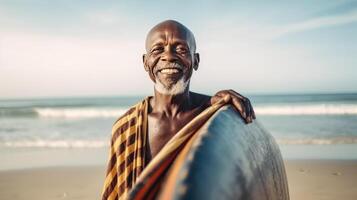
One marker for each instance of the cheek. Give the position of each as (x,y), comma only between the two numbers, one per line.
(187,62)
(151,62)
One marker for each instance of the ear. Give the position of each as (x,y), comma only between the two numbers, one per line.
(196,61)
(144,62)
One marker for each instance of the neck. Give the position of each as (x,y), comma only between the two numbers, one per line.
(171,104)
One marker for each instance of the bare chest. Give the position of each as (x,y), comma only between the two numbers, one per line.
(162,129)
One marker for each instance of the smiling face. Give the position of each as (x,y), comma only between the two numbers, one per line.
(170,57)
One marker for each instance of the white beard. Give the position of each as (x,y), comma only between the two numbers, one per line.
(176,89)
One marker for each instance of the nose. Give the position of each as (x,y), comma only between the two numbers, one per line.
(169,55)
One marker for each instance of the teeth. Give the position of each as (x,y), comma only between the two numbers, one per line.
(169,71)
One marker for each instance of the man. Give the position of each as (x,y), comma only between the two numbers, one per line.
(140,134)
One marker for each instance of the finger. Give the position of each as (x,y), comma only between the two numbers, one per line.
(237,94)
(218,97)
(254,117)
(247,109)
(252,113)
(222,93)
(250,110)
(247,105)
(244,101)
(241,103)
(227,98)
(238,105)
(232,93)
(248,120)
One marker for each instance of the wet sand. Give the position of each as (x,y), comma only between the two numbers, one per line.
(308,179)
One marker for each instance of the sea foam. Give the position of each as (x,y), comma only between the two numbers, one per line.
(317,109)
(79,112)
(318,141)
(44,143)
(57,143)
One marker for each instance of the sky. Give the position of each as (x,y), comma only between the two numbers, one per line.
(62,48)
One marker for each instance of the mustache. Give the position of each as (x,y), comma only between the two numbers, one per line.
(167,65)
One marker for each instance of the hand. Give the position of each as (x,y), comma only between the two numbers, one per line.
(240,103)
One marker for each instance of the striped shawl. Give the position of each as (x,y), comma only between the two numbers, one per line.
(126,177)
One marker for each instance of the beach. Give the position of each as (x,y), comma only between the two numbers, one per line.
(72,182)
(58,148)
(322,179)
(308,179)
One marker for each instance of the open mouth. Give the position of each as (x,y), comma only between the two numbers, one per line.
(170,70)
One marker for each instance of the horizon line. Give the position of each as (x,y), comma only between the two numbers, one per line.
(144,95)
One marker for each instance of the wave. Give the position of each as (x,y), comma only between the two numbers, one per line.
(17,112)
(318,109)
(318,141)
(79,112)
(53,112)
(106,112)
(57,143)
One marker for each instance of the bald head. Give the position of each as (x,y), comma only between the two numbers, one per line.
(170,56)
(170,27)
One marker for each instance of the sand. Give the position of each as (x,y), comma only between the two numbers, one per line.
(52,183)
(322,179)
(308,179)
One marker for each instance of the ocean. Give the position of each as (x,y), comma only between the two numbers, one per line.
(296,121)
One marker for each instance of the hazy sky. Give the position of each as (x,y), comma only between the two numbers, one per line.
(75,48)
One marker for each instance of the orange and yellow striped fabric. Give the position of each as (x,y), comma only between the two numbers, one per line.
(127,152)
(127,155)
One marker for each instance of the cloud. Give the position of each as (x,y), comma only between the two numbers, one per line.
(248,32)
(256,31)
(316,23)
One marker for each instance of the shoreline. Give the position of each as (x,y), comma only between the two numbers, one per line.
(29,157)
(308,179)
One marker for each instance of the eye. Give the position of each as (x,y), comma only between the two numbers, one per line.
(181,49)
(157,49)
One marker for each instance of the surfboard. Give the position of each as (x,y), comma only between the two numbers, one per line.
(229,160)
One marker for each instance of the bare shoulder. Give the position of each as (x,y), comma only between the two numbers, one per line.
(200,99)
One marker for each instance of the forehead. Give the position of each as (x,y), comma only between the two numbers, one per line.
(168,33)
